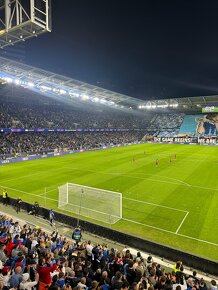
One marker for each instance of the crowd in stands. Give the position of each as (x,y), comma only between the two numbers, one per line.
(167,125)
(47,113)
(38,143)
(31,258)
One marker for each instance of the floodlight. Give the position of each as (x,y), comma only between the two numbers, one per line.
(96,99)
(62,92)
(8,80)
(30,84)
(45,88)
(17,82)
(85,97)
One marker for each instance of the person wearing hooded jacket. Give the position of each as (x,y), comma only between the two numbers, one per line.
(25,284)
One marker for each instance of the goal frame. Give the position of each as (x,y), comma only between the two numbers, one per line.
(79,206)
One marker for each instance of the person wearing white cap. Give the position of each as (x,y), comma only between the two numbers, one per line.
(25,284)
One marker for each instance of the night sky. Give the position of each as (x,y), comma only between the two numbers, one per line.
(146,49)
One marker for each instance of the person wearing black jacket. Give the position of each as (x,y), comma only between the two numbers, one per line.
(18,204)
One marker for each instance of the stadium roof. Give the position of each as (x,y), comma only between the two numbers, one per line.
(52,83)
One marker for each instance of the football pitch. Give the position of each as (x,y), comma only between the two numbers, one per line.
(175,204)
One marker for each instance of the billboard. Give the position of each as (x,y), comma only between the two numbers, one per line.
(202,124)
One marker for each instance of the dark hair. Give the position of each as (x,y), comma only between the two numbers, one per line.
(210,116)
(125,284)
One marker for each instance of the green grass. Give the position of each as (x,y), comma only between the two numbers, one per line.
(155,200)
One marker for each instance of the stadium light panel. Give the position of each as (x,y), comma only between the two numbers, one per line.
(8,80)
(85,97)
(74,94)
(96,99)
(17,82)
(45,88)
(30,84)
(62,92)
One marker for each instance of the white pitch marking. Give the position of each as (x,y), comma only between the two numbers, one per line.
(188,237)
(21,191)
(137,177)
(198,240)
(179,227)
(150,203)
(149,226)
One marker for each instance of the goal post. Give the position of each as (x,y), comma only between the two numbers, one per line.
(94,203)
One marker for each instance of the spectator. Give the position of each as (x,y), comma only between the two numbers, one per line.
(26,284)
(16,278)
(3,256)
(44,271)
(18,204)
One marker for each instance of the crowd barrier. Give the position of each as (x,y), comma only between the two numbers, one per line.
(190,260)
(46,130)
(53,154)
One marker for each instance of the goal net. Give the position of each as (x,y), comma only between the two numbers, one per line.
(95,203)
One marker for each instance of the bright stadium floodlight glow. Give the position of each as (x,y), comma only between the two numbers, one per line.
(153,106)
(55,90)
(73,94)
(85,97)
(17,82)
(45,88)
(30,84)
(103,101)
(62,92)
(8,80)
(96,99)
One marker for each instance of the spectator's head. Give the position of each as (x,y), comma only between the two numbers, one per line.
(2,247)
(190,282)
(125,285)
(130,264)
(94,284)
(213,285)
(18,270)
(119,275)
(162,279)
(194,273)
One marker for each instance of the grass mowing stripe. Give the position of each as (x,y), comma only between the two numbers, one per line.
(167,185)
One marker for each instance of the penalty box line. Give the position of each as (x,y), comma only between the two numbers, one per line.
(163,206)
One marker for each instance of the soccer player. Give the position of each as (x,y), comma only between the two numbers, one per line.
(175,156)
(157,162)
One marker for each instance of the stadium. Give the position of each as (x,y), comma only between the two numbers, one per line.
(142,173)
